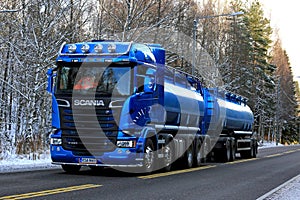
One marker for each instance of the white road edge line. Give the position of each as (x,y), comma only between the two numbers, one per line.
(277,188)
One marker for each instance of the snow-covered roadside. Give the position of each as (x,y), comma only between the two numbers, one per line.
(289,190)
(265,144)
(22,163)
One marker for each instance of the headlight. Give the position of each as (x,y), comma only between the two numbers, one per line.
(125,143)
(55,141)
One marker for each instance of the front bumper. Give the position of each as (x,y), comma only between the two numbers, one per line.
(120,157)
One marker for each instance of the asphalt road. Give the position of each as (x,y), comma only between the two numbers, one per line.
(241,179)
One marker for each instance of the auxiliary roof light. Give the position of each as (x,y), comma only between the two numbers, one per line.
(112,48)
(72,48)
(85,48)
(98,48)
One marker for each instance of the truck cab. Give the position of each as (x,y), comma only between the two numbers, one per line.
(103,94)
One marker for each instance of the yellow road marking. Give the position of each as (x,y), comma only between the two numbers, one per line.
(241,161)
(280,154)
(49,192)
(175,172)
(274,155)
(208,166)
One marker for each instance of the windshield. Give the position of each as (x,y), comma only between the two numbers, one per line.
(100,79)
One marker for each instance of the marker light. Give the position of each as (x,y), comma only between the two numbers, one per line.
(85,48)
(98,48)
(112,48)
(55,141)
(72,48)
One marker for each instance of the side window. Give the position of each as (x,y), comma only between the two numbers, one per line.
(64,78)
(149,82)
(146,78)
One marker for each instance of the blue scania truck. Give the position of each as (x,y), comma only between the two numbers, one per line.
(117,104)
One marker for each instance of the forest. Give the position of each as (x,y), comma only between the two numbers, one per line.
(239,53)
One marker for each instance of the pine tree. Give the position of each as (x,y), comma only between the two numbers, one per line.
(263,86)
(286,112)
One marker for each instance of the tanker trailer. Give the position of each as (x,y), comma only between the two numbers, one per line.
(228,122)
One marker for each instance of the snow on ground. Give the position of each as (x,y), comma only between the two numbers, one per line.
(289,190)
(23,163)
(265,144)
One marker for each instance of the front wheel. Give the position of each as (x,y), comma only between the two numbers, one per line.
(149,156)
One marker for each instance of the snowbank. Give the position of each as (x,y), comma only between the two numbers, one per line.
(22,163)
(265,144)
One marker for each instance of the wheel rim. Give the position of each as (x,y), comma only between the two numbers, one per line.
(149,157)
(168,157)
(199,155)
(233,153)
(252,152)
(189,158)
(228,152)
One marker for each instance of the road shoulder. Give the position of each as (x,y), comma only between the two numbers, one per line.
(289,190)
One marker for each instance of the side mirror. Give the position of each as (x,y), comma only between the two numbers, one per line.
(50,80)
(149,84)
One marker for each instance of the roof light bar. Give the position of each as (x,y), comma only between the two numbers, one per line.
(72,48)
(112,48)
(98,48)
(85,48)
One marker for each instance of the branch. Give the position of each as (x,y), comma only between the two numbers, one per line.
(10,11)
(18,91)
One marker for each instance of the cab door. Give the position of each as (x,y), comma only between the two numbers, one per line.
(145,107)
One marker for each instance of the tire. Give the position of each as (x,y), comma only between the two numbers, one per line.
(207,153)
(149,157)
(227,152)
(169,158)
(198,157)
(254,151)
(233,151)
(188,159)
(71,169)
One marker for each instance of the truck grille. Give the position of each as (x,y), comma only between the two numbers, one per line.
(88,131)
(88,144)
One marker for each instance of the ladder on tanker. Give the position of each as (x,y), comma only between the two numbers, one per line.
(210,122)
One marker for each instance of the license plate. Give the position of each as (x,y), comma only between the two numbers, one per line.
(87,160)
